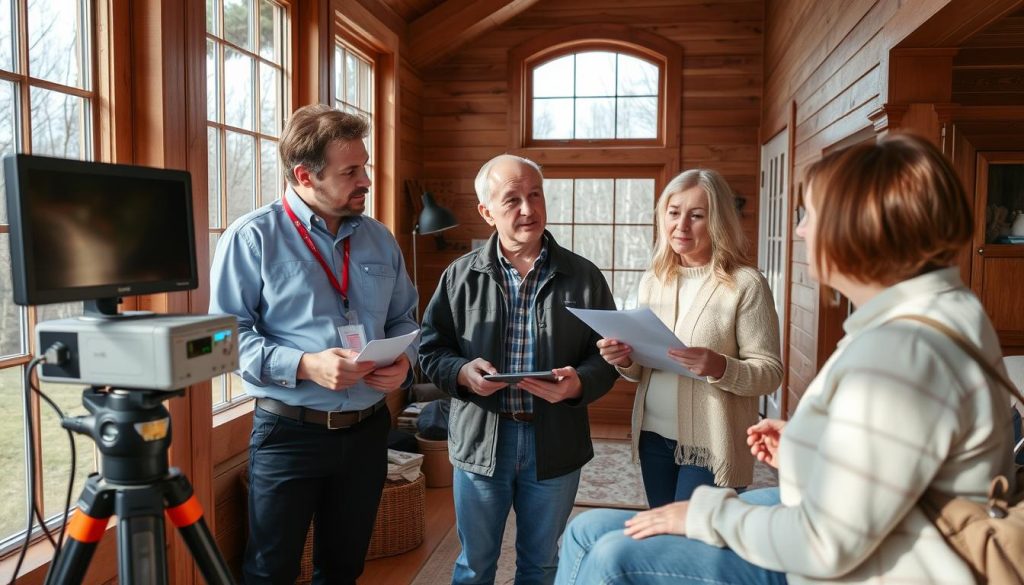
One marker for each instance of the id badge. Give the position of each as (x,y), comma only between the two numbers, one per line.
(352,336)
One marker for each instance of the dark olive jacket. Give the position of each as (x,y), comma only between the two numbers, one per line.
(467,318)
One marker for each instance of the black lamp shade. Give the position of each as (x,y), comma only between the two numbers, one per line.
(434,218)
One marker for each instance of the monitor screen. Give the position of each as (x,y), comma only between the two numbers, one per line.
(87,230)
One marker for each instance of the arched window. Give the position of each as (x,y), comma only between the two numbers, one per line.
(595,95)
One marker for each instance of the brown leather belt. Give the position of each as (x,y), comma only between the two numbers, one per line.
(523,417)
(334,419)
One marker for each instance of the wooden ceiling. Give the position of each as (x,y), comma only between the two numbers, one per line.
(410,10)
(989,67)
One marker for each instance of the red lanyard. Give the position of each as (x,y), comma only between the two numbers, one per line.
(341,288)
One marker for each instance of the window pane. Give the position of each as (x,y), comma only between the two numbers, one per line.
(594,242)
(235,387)
(12,453)
(562,235)
(554,79)
(270,179)
(270,27)
(241,166)
(214,238)
(270,100)
(595,118)
(218,389)
(212,6)
(365,87)
(351,94)
(558,196)
(59,311)
(594,200)
(12,317)
(238,22)
(56,453)
(6,41)
(238,98)
(57,122)
(53,39)
(595,74)
(634,201)
(8,134)
(213,176)
(637,118)
(339,68)
(625,289)
(633,247)
(637,77)
(213,75)
(552,119)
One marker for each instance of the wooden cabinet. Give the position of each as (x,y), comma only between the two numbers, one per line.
(997,266)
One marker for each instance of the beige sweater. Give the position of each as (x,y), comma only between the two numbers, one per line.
(739,322)
(896,409)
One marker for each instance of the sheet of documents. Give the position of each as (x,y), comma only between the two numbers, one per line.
(384,352)
(643,331)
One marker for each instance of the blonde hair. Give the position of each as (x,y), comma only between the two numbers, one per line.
(728,245)
(888,211)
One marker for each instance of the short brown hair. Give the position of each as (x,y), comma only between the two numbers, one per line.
(308,133)
(888,211)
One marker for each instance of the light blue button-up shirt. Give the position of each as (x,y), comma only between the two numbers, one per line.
(264,274)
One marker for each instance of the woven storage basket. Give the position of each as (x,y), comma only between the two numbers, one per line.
(399,526)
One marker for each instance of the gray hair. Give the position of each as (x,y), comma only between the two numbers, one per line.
(482,183)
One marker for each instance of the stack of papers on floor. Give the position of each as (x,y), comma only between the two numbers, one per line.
(403,466)
(407,420)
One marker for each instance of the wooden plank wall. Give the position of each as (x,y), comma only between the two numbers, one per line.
(466,101)
(831,60)
(466,106)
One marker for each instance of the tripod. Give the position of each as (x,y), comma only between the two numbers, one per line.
(132,430)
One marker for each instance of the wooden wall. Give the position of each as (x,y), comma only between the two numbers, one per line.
(466,100)
(830,61)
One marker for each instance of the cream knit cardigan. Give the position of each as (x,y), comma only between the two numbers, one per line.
(897,408)
(738,321)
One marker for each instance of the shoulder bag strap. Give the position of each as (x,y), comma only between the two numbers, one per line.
(968,348)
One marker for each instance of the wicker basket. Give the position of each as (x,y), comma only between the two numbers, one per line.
(399,526)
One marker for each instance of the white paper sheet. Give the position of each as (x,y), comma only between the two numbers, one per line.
(643,331)
(384,352)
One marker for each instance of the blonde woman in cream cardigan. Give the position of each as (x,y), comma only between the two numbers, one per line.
(897,409)
(691,431)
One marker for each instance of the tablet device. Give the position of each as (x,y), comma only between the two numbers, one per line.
(513,378)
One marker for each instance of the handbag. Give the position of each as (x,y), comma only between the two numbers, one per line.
(989,537)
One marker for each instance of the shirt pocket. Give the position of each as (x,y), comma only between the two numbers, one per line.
(380,286)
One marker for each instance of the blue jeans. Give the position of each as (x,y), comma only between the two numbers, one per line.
(595,551)
(664,481)
(482,504)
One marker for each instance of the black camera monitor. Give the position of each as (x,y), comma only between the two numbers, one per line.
(94,232)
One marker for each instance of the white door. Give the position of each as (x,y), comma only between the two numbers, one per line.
(773,235)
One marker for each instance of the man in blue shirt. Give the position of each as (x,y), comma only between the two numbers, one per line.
(307,276)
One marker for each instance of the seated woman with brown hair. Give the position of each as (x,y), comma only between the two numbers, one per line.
(898,408)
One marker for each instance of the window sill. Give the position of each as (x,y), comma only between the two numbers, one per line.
(235,411)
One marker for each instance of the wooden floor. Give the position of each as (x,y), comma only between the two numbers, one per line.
(439,519)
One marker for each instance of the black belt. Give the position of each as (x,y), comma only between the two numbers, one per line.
(334,419)
(523,417)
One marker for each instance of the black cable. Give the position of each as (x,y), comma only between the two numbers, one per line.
(71,478)
(31,452)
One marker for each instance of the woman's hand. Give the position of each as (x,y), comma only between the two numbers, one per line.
(700,361)
(668,519)
(615,352)
(763,439)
